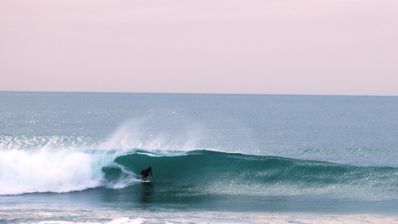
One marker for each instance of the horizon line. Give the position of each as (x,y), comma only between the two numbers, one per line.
(193,93)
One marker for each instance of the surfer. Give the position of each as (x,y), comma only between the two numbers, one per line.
(145,173)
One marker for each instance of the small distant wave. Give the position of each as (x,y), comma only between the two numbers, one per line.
(28,142)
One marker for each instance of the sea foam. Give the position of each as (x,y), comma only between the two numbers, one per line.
(46,170)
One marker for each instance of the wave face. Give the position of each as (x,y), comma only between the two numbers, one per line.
(192,173)
(205,172)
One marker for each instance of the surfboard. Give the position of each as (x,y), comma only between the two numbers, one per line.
(145,181)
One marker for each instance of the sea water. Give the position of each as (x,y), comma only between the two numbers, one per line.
(76,158)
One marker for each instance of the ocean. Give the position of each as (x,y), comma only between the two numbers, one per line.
(77,157)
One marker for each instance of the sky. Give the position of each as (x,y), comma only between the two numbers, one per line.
(332,47)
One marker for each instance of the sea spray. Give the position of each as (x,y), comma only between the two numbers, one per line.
(135,133)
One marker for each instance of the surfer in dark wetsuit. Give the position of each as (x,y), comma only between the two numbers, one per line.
(145,173)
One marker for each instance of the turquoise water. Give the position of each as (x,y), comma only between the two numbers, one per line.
(226,153)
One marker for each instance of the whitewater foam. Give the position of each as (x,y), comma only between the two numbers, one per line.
(47,171)
(56,170)
(131,217)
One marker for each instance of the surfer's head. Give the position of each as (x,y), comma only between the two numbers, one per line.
(149,169)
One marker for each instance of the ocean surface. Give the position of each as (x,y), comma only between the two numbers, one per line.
(76,158)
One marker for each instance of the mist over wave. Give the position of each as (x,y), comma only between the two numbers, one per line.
(135,134)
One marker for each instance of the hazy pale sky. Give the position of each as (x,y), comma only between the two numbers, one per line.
(202,46)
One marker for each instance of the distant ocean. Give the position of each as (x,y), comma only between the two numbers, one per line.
(76,158)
